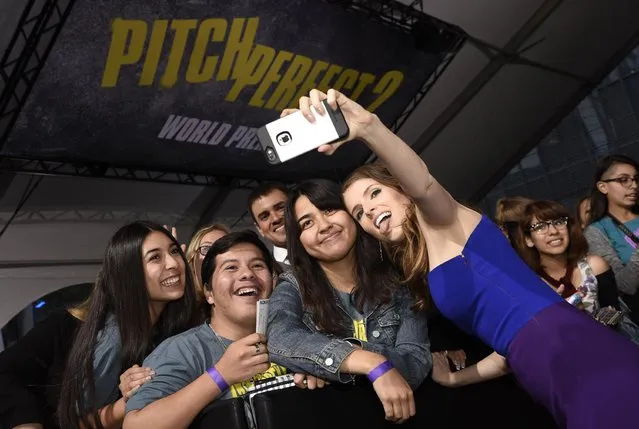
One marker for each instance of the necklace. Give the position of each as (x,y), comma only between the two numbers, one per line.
(217,337)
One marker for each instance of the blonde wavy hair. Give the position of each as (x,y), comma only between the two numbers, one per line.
(410,255)
(81,310)
(191,253)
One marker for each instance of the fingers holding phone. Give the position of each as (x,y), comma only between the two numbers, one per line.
(287,112)
(357,118)
(244,358)
(323,122)
(299,131)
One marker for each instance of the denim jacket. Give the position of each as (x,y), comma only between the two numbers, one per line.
(393,329)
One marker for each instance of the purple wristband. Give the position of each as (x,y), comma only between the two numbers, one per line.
(379,370)
(218,379)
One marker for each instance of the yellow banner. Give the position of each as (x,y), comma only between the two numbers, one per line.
(225,51)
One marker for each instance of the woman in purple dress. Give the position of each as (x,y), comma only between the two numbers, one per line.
(462,261)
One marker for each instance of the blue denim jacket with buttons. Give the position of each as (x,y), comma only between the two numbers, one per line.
(393,329)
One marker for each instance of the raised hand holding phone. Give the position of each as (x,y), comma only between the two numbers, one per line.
(243,359)
(330,111)
(357,118)
(293,135)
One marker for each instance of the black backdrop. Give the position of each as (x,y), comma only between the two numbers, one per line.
(182,85)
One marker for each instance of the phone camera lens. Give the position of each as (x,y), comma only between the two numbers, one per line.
(284,138)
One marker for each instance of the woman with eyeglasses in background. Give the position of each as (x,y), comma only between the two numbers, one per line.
(552,247)
(460,259)
(197,249)
(614,223)
(552,244)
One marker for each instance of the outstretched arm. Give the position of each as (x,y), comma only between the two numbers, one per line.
(435,203)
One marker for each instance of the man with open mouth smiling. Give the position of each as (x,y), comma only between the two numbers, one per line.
(222,358)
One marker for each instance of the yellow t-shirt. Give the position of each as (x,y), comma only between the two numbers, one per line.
(240,389)
(359,330)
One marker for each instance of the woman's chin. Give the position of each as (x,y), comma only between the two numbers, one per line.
(392,236)
(395,236)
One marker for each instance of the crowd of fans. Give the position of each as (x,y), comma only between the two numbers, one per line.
(169,329)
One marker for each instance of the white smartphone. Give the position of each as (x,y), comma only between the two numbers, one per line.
(293,135)
(261,319)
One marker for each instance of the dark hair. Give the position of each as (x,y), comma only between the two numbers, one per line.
(578,210)
(224,244)
(543,211)
(262,190)
(598,201)
(376,277)
(120,291)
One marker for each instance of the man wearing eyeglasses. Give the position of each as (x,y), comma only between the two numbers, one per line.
(613,232)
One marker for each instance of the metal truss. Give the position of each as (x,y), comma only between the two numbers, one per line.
(412,19)
(42,21)
(75,216)
(38,28)
(426,86)
(61,168)
(97,216)
(390,11)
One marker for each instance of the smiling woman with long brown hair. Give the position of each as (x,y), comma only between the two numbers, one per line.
(478,281)
(342,311)
(87,357)
(144,294)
